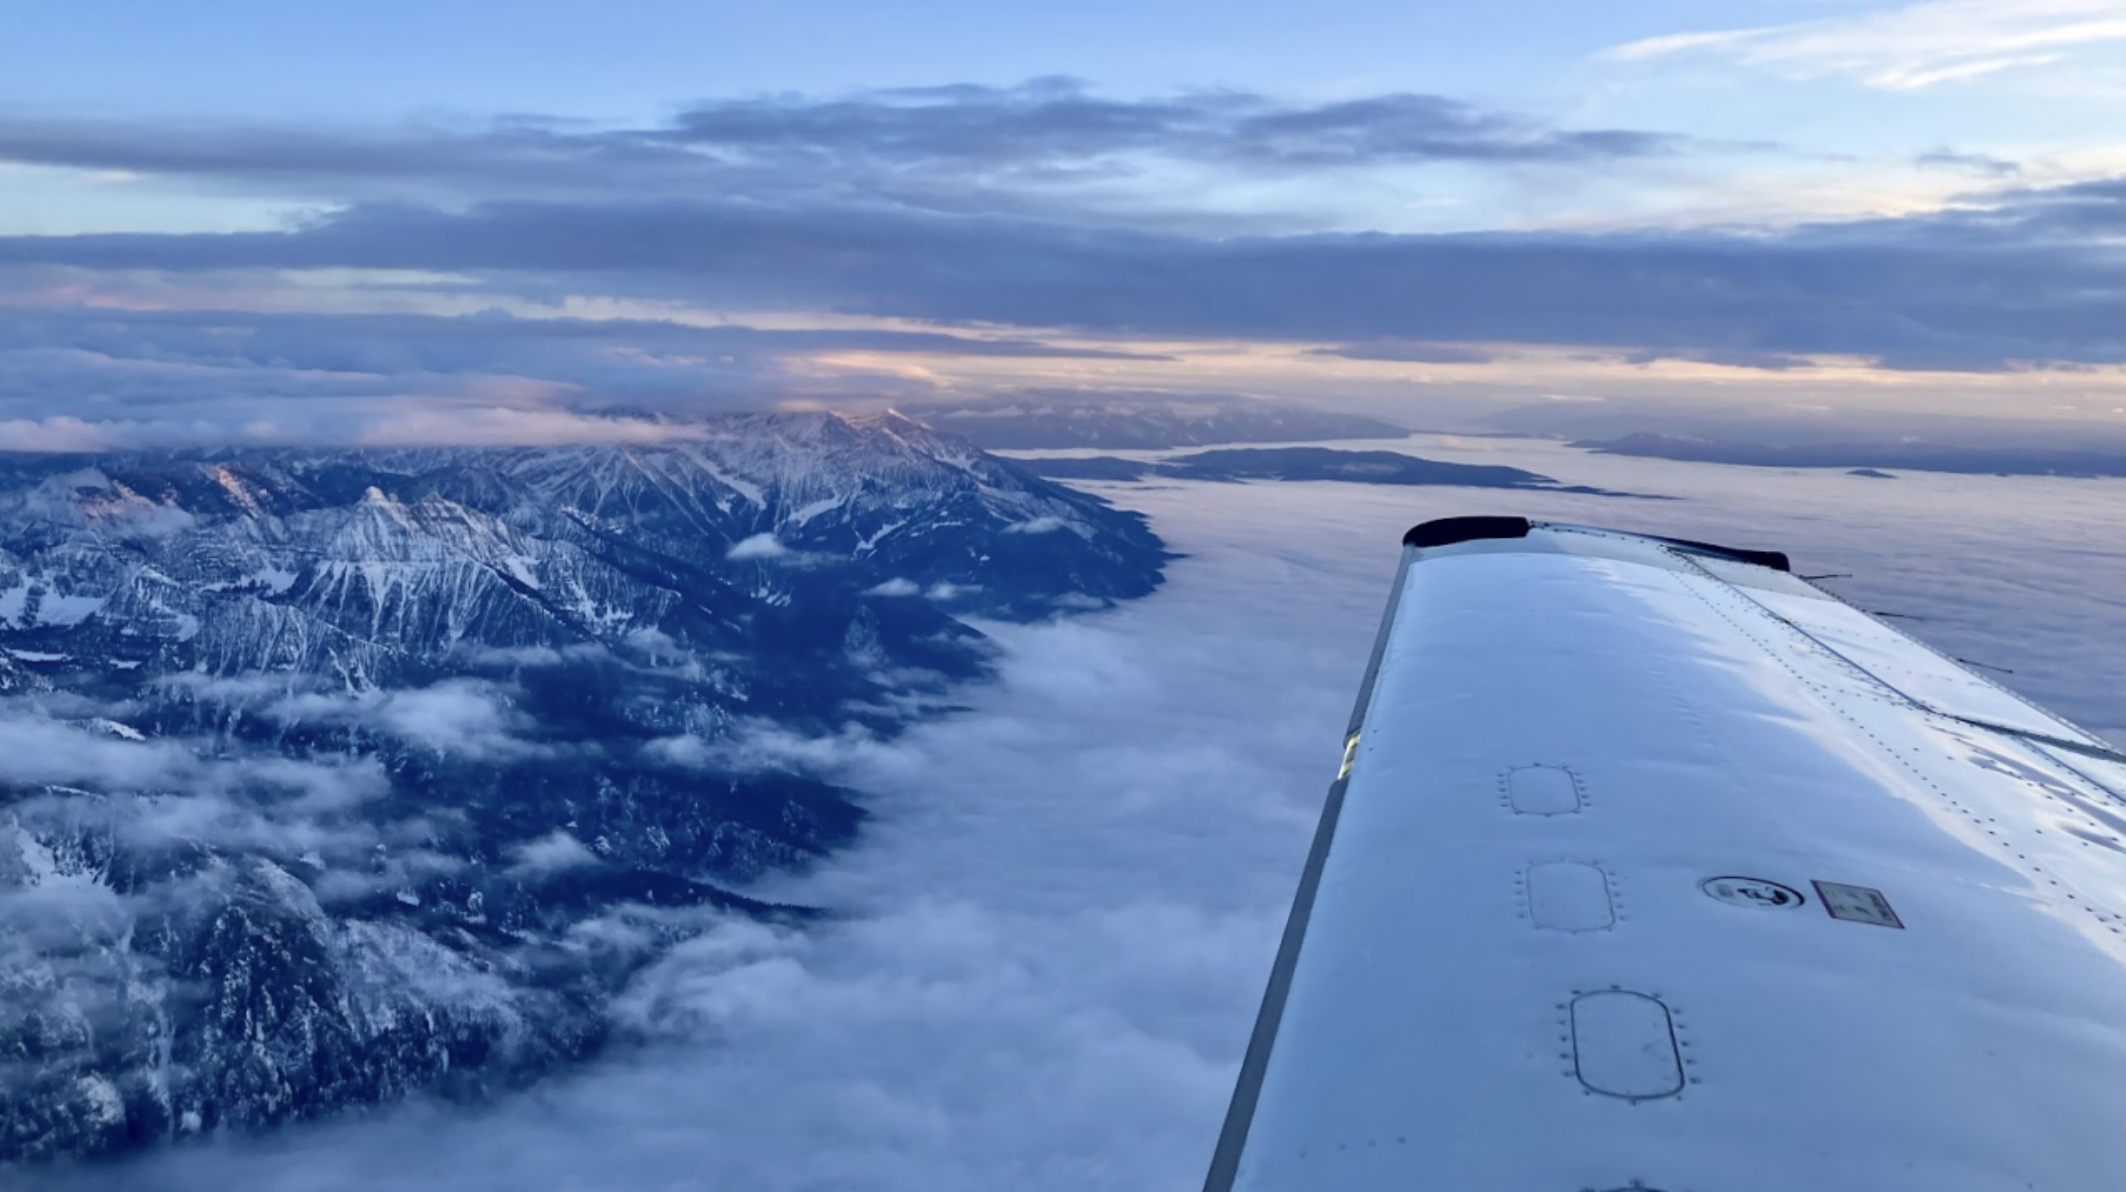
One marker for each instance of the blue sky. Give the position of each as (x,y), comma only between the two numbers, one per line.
(632,60)
(1800,203)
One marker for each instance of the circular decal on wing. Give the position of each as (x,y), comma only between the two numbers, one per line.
(1751,891)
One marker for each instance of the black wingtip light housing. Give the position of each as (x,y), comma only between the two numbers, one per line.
(1447,531)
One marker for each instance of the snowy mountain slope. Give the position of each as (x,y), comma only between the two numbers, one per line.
(326,776)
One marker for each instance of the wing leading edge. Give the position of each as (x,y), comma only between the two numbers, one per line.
(1651,865)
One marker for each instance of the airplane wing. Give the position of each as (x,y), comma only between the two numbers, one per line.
(1652,866)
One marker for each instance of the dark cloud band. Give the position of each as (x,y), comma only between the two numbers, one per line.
(2025,275)
(793,142)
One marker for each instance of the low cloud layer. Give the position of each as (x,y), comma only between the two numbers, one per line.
(76,378)
(1053,939)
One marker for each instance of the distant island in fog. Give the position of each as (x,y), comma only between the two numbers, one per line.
(1864,458)
(1304,463)
(1046,421)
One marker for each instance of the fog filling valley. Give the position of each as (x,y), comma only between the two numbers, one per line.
(1052,938)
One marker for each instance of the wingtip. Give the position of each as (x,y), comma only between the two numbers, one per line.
(1447,531)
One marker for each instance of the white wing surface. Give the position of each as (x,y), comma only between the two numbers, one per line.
(1652,866)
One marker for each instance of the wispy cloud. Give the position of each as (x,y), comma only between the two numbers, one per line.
(1984,164)
(1906,48)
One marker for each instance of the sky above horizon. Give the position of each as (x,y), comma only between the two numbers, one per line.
(262,223)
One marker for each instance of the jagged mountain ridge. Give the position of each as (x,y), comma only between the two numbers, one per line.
(368,771)
(306,559)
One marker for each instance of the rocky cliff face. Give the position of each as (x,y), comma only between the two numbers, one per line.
(330,775)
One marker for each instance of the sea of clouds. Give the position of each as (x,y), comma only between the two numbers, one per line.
(1050,944)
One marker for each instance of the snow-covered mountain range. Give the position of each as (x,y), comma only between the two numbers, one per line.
(332,775)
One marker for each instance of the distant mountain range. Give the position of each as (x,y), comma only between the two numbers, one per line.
(330,775)
(1303,463)
(1144,422)
(2004,460)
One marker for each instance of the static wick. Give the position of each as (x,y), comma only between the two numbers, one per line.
(1985,666)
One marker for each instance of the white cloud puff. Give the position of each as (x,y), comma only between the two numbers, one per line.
(59,433)
(759,546)
(551,853)
(1039,525)
(465,718)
